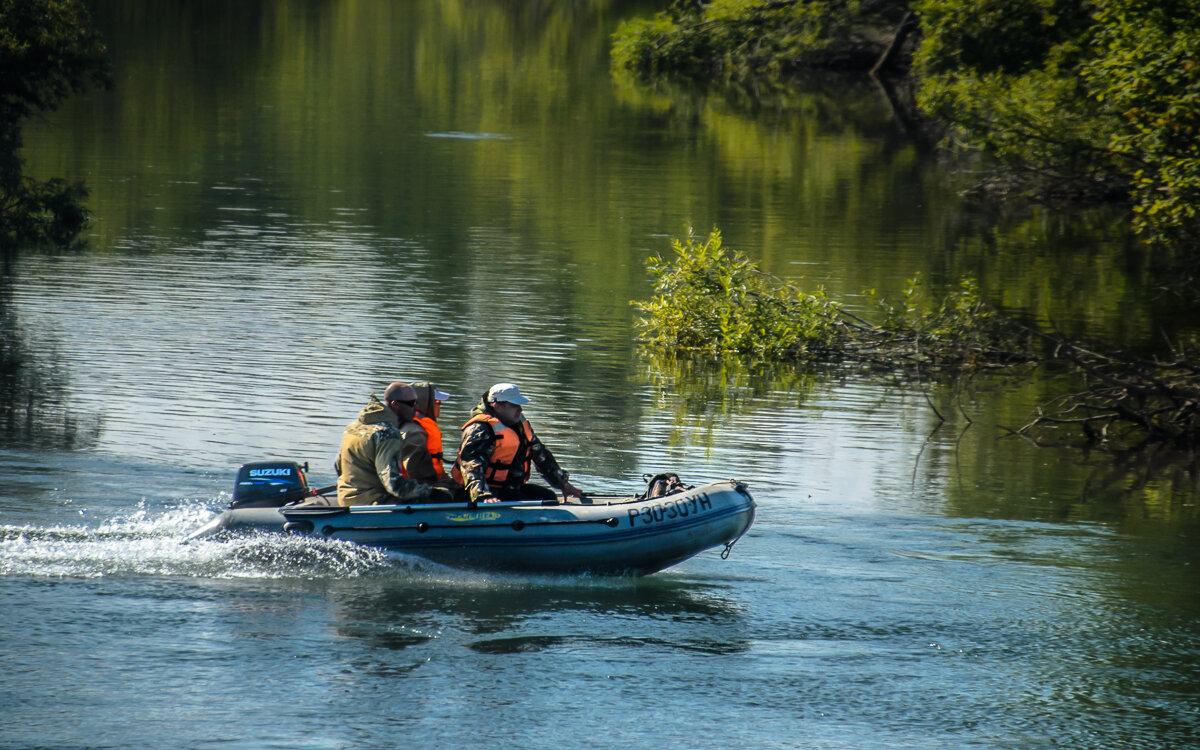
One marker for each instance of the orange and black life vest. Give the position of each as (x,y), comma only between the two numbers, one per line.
(433,443)
(511,452)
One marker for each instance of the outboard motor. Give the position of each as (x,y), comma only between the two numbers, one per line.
(269,484)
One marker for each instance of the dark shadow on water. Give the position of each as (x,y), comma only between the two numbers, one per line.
(494,603)
(524,644)
(403,612)
(35,406)
(834,101)
(395,641)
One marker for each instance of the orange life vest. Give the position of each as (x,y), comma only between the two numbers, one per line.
(433,443)
(511,451)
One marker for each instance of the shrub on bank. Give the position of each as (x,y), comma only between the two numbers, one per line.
(714,300)
(739,38)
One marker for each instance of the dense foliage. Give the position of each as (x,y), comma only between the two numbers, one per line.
(1148,74)
(743,37)
(1098,99)
(47,52)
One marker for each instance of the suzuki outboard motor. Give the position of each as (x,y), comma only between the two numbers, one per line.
(269,484)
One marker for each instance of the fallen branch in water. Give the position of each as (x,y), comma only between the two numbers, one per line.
(1127,401)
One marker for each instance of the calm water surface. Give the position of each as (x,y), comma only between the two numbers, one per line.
(299,202)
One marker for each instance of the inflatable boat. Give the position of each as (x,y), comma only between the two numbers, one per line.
(608,535)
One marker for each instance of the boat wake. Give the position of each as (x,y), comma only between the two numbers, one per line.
(146,543)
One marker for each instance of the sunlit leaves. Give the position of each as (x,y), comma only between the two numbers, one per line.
(1149,75)
(1106,92)
(712,299)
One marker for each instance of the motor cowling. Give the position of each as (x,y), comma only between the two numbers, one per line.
(269,484)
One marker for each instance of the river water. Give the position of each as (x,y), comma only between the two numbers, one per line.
(298,202)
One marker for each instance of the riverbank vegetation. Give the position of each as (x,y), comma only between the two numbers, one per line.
(48,51)
(742,38)
(711,300)
(1083,101)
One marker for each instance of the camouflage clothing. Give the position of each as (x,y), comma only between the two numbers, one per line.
(368,464)
(478,442)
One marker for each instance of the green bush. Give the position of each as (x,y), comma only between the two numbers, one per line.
(961,328)
(714,300)
(748,37)
(1147,72)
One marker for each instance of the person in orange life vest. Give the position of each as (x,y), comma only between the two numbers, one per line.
(497,447)
(423,458)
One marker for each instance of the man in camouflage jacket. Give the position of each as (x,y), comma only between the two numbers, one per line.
(373,449)
(503,402)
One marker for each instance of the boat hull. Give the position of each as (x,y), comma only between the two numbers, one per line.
(610,536)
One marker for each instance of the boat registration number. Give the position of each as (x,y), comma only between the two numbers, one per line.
(670,509)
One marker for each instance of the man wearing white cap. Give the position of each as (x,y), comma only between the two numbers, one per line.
(498,445)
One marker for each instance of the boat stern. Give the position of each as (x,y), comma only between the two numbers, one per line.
(215,526)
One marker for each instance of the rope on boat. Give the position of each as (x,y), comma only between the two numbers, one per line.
(729,548)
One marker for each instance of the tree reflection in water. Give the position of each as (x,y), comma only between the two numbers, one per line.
(34,387)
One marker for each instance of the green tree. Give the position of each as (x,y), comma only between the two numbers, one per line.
(1100,97)
(1147,73)
(48,51)
(712,299)
(1003,74)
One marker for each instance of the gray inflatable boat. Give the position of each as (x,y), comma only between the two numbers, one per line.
(606,535)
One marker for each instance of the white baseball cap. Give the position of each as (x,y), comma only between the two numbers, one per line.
(506,392)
